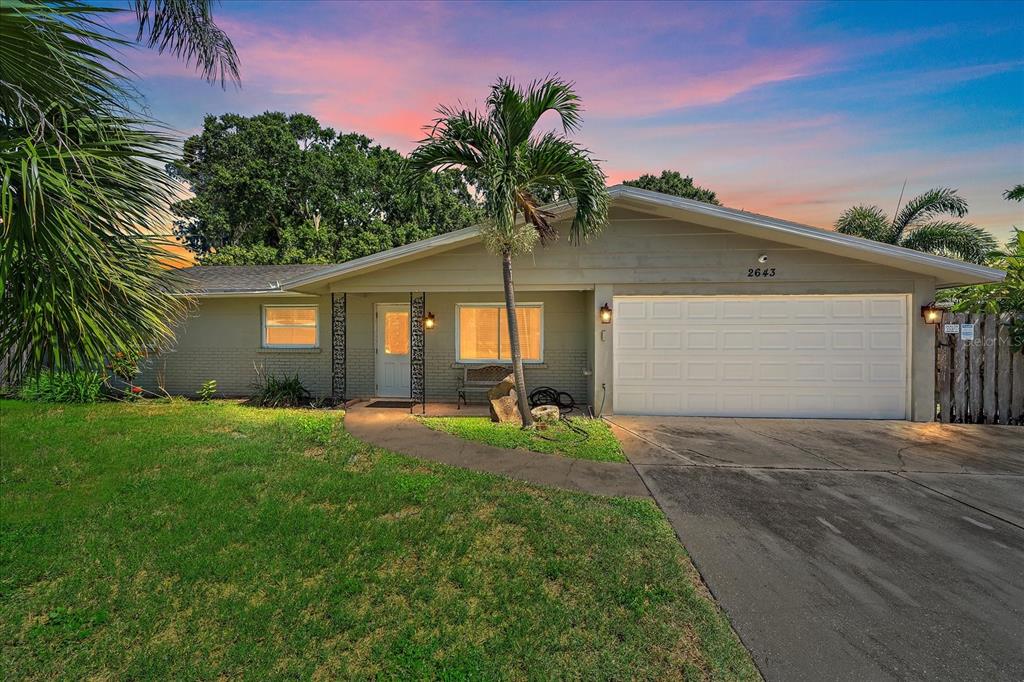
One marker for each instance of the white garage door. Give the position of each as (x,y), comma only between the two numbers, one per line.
(761,356)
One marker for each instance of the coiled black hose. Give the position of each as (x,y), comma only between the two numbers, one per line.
(545,395)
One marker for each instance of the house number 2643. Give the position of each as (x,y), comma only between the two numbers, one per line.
(760,272)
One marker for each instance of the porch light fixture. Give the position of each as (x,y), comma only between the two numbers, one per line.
(428,321)
(931,313)
(606,314)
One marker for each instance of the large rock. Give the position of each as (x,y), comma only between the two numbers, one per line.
(504,401)
(506,410)
(506,386)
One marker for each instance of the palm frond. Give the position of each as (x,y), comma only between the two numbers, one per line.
(869,222)
(560,164)
(186,29)
(456,139)
(555,94)
(52,68)
(517,110)
(953,239)
(1015,193)
(83,188)
(938,201)
(77,250)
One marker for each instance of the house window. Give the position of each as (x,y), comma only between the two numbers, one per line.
(290,326)
(482,334)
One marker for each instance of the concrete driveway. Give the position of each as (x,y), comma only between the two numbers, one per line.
(851,550)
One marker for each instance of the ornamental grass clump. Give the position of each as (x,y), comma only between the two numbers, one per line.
(49,386)
(274,391)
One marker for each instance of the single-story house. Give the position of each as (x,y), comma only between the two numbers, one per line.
(713,312)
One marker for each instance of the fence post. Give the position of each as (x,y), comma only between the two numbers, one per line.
(976,350)
(959,372)
(989,368)
(1003,398)
(942,366)
(1017,387)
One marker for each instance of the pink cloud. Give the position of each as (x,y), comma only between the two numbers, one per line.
(383,69)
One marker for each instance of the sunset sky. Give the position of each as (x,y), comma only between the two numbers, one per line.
(796,110)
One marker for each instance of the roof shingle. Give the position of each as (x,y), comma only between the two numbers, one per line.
(213,279)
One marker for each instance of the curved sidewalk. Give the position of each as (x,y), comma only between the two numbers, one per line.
(397,430)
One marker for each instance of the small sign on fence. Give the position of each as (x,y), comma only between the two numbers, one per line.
(950,329)
(967,332)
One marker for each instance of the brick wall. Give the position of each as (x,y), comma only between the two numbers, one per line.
(221,341)
(562,370)
(184,371)
(360,369)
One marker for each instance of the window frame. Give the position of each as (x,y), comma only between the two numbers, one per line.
(280,346)
(495,361)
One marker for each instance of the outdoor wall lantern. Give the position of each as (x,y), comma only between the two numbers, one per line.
(606,314)
(931,313)
(428,321)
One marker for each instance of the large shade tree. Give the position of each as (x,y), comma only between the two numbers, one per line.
(922,225)
(276,188)
(83,186)
(512,163)
(674,183)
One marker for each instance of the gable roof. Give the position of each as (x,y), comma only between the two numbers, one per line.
(285,279)
(947,271)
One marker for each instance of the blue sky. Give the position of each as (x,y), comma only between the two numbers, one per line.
(797,110)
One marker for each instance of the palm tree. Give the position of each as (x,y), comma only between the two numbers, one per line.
(913,228)
(511,164)
(83,187)
(1015,193)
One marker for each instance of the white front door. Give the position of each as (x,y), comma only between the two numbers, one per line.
(392,369)
(761,356)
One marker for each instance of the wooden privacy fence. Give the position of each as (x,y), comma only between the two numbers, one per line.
(979,378)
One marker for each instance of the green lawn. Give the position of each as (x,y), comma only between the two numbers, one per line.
(182,540)
(599,444)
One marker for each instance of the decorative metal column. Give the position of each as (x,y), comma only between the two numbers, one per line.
(417,348)
(338,322)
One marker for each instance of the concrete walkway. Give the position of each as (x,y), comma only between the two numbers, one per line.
(395,429)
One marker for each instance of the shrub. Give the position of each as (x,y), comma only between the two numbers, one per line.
(207,390)
(272,391)
(81,386)
(125,366)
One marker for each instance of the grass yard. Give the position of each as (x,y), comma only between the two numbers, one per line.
(182,540)
(600,443)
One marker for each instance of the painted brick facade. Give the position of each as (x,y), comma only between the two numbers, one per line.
(221,341)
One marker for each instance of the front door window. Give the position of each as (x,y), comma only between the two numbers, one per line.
(393,350)
(396,332)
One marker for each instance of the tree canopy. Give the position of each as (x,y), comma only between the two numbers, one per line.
(1006,296)
(276,188)
(672,182)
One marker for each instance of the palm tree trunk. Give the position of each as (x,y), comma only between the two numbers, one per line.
(513,339)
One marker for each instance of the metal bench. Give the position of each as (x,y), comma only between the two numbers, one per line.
(479,379)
